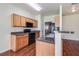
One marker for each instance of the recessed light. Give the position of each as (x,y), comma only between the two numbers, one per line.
(35,6)
(73,8)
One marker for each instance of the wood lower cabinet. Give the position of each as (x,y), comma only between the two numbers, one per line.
(44,48)
(18,42)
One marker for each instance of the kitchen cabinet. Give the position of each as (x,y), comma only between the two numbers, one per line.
(28,20)
(32,21)
(57,21)
(23,21)
(20,21)
(35,23)
(44,48)
(37,35)
(16,20)
(18,42)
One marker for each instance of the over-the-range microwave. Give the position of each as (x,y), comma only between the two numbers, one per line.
(28,24)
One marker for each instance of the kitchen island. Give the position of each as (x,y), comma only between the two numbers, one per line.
(45,47)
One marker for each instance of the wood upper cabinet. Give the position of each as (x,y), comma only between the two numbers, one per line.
(35,23)
(23,21)
(37,35)
(57,21)
(18,42)
(16,20)
(30,20)
(27,20)
(20,21)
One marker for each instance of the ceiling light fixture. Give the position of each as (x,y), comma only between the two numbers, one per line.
(73,9)
(35,6)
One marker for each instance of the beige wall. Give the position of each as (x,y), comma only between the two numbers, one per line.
(71,23)
(5,23)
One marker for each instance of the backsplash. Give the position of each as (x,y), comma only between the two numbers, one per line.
(20,29)
(15,29)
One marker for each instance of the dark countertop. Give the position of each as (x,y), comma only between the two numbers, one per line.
(47,40)
(18,33)
(35,31)
(22,33)
(66,32)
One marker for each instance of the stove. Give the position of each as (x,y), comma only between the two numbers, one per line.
(31,35)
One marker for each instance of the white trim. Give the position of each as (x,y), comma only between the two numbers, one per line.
(58,40)
(4,50)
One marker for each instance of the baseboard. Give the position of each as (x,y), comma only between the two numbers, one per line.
(4,50)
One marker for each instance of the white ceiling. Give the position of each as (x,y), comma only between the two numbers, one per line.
(47,8)
(67,9)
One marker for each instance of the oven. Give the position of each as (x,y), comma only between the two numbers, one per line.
(31,36)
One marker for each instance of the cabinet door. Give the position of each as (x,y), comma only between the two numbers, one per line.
(25,40)
(51,49)
(44,49)
(23,21)
(37,34)
(57,21)
(21,41)
(28,20)
(35,23)
(16,20)
(17,43)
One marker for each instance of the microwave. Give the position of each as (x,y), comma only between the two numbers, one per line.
(28,24)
